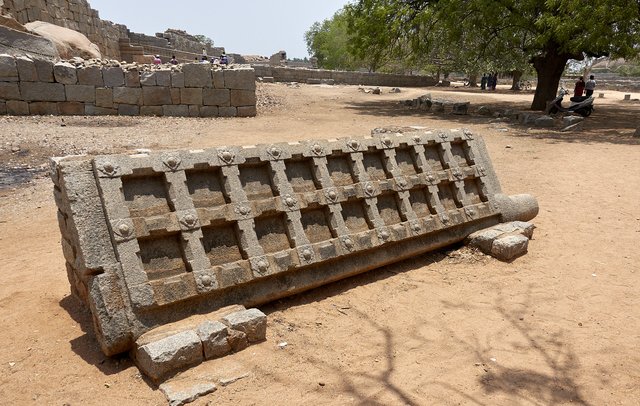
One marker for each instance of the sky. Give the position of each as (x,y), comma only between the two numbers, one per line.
(247,27)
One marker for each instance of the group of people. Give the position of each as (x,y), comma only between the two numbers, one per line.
(584,87)
(223,60)
(489,81)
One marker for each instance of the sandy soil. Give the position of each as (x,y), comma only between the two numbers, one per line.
(560,325)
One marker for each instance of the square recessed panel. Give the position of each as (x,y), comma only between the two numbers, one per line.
(374,165)
(315,222)
(473,191)
(433,154)
(300,175)
(355,216)
(460,155)
(206,188)
(447,196)
(420,199)
(220,242)
(256,181)
(146,196)
(389,209)
(340,170)
(162,257)
(406,161)
(272,232)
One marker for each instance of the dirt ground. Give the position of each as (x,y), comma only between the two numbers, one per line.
(559,325)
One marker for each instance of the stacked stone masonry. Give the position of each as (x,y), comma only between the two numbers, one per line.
(153,238)
(302,75)
(73,14)
(191,90)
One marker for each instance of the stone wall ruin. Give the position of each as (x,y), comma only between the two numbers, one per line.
(40,87)
(151,239)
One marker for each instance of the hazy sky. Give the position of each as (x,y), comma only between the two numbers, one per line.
(249,27)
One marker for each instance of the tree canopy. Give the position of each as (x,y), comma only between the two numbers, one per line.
(502,34)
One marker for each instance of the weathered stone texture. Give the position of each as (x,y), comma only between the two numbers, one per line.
(214,339)
(65,73)
(81,93)
(132,78)
(91,75)
(156,96)
(113,77)
(162,358)
(191,95)
(216,97)
(45,70)
(180,392)
(26,69)
(10,91)
(39,91)
(8,69)
(17,108)
(251,224)
(104,97)
(243,97)
(241,79)
(43,108)
(197,75)
(127,95)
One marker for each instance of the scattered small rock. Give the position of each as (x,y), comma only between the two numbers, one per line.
(283,345)
(229,381)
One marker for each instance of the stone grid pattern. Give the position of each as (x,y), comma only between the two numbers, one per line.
(151,238)
(37,87)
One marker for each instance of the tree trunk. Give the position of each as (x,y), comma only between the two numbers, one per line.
(549,68)
(515,84)
(473,79)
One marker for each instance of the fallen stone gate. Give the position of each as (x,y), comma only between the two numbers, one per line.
(150,239)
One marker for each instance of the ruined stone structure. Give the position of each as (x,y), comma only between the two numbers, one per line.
(74,14)
(150,239)
(302,75)
(192,90)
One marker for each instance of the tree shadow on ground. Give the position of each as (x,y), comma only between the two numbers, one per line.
(611,123)
(557,386)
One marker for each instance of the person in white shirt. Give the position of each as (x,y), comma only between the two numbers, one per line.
(590,86)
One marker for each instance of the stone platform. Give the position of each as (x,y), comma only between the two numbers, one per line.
(152,239)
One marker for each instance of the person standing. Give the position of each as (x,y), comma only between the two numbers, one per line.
(494,81)
(590,86)
(577,91)
(483,82)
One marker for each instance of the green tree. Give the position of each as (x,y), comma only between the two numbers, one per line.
(328,42)
(204,40)
(505,34)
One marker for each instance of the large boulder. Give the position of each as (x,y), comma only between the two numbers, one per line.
(69,43)
(10,22)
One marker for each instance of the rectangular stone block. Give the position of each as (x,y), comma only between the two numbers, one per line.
(218,79)
(191,95)
(8,68)
(156,96)
(43,108)
(45,70)
(163,78)
(127,95)
(91,110)
(213,335)
(132,78)
(216,97)
(241,79)
(71,108)
(227,111)
(17,108)
(208,111)
(128,110)
(38,91)
(26,69)
(10,91)
(197,75)
(90,75)
(175,95)
(3,107)
(65,73)
(177,79)
(173,110)
(243,97)
(104,97)
(81,93)
(162,358)
(246,111)
(252,322)
(113,77)
(151,111)
(194,110)
(148,78)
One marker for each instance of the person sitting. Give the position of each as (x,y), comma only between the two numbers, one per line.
(204,59)
(577,91)
(173,60)
(224,60)
(157,60)
(590,86)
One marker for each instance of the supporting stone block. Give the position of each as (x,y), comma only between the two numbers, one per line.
(252,322)
(90,75)
(39,91)
(8,69)
(505,241)
(156,96)
(10,91)
(45,70)
(17,108)
(509,247)
(65,73)
(163,358)
(197,75)
(81,93)
(214,339)
(26,69)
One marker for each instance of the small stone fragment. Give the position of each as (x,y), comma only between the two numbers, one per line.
(509,247)
(214,339)
(180,392)
(162,358)
(237,340)
(252,322)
